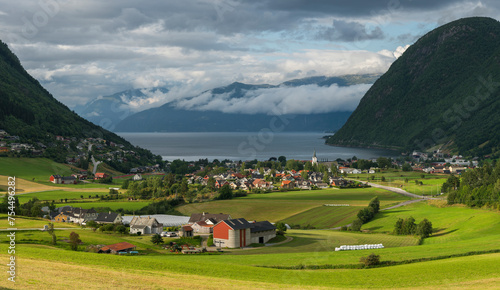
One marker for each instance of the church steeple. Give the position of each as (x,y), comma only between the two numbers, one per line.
(314,159)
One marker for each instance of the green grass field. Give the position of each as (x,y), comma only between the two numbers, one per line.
(113,205)
(57,195)
(431,183)
(28,168)
(298,204)
(458,230)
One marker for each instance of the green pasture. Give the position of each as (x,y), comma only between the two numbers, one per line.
(325,216)
(113,205)
(428,274)
(431,183)
(39,169)
(278,206)
(57,195)
(452,224)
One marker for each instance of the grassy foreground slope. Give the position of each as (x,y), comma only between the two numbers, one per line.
(460,230)
(154,271)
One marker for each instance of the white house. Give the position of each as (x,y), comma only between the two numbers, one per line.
(145,225)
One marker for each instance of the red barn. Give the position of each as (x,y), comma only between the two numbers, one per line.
(232,233)
(100,175)
(238,233)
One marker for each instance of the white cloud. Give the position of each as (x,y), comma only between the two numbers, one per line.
(306,99)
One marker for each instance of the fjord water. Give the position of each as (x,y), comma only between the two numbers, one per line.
(191,146)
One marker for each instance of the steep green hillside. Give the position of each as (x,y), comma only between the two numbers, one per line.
(29,111)
(442,91)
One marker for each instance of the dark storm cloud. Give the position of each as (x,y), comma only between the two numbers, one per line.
(349,31)
(353,7)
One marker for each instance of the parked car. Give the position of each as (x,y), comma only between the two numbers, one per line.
(168,234)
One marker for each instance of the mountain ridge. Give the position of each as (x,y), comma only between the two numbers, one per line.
(187,115)
(424,102)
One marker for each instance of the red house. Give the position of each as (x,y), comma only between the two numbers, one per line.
(100,175)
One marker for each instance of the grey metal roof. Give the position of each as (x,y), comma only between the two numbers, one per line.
(238,224)
(106,217)
(198,217)
(262,226)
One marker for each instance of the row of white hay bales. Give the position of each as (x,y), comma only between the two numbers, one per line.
(359,247)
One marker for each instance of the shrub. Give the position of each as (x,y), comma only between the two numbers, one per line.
(375,204)
(424,228)
(281,227)
(370,260)
(343,228)
(356,225)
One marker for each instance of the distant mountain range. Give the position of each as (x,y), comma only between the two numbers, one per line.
(443,92)
(206,111)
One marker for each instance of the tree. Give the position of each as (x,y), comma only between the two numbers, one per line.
(424,228)
(281,227)
(409,227)
(370,260)
(304,175)
(211,183)
(282,160)
(50,231)
(74,241)
(122,229)
(375,204)
(356,225)
(384,162)
(326,178)
(93,225)
(157,239)
(366,214)
(382,179)
(125,183)
(407,167)
(226,192)
(398,227)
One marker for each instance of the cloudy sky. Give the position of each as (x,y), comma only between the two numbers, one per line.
(80,50)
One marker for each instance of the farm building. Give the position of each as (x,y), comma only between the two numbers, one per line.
(99,175)
(58,179)
(145,225)
(61,217)
(240,233)
(165,219)
(109,218)
(262,232)
(205,216)
(202,227)
(119,247)
(186,231)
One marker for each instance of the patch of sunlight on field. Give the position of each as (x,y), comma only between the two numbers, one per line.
(24,186)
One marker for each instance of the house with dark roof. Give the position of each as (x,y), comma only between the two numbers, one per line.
(58,179)
(116,248)
(214,217)
(109,218)
(238,233)
(55,178)
(79,215)
(145,225)
(262,232)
